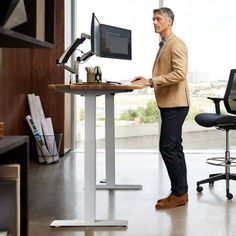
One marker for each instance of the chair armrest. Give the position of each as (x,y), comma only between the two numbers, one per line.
(217,101)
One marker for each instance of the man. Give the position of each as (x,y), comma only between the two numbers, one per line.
(169,80)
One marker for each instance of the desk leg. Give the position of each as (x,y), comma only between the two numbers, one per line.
(90,174)
(90,158)
(110,148)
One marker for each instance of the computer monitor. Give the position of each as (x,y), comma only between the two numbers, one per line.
(110,41)
(95,35)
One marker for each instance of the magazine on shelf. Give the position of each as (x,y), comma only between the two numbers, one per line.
(44,129)
(36,121)
(47,129)
(39,139)
(34,112)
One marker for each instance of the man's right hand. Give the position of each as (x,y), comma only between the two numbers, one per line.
(140,80)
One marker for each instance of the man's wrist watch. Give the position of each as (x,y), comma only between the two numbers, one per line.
(150,83)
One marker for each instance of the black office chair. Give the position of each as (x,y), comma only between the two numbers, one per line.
(225,122)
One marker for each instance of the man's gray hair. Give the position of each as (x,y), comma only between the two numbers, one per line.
(165,11)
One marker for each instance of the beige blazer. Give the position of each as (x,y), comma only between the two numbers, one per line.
(169,74)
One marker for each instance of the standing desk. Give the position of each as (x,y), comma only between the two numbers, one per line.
(90,91)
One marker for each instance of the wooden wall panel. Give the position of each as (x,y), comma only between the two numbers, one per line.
(14,85)
(23,71)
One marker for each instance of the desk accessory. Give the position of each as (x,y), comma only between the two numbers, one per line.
(94,74)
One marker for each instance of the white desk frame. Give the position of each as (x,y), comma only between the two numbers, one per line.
(90,159)
(110,149)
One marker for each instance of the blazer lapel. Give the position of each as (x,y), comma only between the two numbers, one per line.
(158,56)
(163,48)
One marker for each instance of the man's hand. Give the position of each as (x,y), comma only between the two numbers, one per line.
(140,80)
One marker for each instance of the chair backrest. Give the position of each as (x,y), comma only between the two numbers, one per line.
(230,93)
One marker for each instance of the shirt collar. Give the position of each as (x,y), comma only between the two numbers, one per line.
(163,41)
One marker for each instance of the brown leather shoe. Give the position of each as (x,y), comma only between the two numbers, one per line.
(162,199)
(172,201)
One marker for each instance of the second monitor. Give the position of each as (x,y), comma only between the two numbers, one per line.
(110,41)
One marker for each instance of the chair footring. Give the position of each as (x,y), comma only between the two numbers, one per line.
(221,161)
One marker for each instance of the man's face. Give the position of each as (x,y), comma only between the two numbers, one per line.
(161,23)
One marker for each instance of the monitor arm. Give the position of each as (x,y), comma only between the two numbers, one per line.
(69,51)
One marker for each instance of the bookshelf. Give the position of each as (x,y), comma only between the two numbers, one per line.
(15,150)
(10,199)
(25,35)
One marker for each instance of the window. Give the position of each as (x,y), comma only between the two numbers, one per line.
(138,18)
(207,27)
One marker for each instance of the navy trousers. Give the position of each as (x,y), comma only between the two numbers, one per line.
(171,147)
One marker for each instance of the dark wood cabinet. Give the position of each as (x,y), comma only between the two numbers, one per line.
(24,35)
(15,150)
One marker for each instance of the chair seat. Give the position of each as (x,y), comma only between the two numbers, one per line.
(218,120)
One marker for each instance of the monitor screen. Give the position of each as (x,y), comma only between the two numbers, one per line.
(115,42)
(95,35)
(110,41)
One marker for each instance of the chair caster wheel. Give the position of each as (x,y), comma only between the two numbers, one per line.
(199,189)
(229,195)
